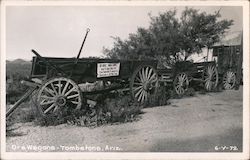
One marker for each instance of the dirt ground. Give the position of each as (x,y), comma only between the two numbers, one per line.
(209,122)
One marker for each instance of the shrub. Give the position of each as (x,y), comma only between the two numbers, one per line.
(161,97)
(121,108)
(190,92)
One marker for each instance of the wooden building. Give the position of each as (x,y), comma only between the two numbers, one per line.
(228,54)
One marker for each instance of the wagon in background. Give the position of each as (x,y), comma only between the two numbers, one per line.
(184,72)
(229,55)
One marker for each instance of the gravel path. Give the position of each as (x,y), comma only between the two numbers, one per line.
(202,123)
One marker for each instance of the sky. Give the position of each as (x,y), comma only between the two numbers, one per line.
(58,31)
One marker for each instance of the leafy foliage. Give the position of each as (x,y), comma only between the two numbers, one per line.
(169,37)
(201,30)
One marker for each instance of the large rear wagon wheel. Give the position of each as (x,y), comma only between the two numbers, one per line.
(229,80)
(210,76)
(58,94)
(143,83)
(181,83)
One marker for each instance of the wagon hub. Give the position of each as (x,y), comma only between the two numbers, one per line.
(60,101)
(147,86)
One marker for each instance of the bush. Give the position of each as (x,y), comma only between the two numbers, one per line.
(121,108)
(161,97)
(190,92)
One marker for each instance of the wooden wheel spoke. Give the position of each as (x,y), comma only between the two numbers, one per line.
(153,80)
(65,87)
(183,76)
(48,109)
(185,79)
(137,79)
(153,76)
(138,84)
(53,87)
(140,76)
(59,87)
(210,70)
(74,102)
(206,84)
(150,72)
(138,92)
(146,73)
(229,75)
(177,87)
(182,90)
(73,96)
(71,90)
(180,80)
(49,91)
(140,96)
(136,88)
(143,75)
(46,102)
(55,109)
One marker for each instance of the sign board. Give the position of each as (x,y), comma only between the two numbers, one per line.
(108,69)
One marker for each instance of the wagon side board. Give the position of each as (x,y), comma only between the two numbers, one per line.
(86,69)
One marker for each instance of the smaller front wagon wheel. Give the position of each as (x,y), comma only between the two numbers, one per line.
(58,94)
(210,77)
(181,83)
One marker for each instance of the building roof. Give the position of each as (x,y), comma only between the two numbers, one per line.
(230,39)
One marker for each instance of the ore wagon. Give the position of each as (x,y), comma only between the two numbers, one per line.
(183,72)
(68,82)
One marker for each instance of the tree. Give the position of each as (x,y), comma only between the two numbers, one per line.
(169,37)
(200,30)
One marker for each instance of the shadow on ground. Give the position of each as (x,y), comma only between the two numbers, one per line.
(204,144)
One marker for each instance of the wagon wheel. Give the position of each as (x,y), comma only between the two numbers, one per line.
(181,83)
(229,80)
(210,76)
(57,94)
(143,83)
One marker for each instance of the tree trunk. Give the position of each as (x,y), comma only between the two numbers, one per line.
(207,53)
(186,56)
